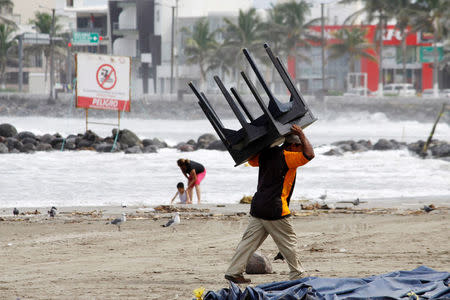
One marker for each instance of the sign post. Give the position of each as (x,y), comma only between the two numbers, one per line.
(85,38)
(103,82)
(427,55)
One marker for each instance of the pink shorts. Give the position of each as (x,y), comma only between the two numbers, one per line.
(200,177)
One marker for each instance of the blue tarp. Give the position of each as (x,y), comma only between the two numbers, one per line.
(420,283)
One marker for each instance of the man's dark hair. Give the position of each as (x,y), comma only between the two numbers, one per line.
(180,185)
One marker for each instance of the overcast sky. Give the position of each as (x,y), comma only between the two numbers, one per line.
(263,3)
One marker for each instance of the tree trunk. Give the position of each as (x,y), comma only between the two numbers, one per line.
(202,77)
(404,54)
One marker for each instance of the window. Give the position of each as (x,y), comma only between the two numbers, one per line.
(69,3)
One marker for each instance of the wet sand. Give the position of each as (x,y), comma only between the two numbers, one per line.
(76,255)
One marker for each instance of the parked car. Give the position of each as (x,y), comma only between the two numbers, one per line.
(399,89)
(429,93)
(357,92)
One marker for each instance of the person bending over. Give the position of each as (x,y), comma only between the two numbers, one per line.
(194,172)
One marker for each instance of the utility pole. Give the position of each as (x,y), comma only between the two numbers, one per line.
(52,59)
(176,47)
(322,21)
(380,66)
(172,49)
(20,62)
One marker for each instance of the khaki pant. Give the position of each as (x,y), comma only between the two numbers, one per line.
(257,231)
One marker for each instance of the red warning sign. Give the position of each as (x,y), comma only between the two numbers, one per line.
(106,77)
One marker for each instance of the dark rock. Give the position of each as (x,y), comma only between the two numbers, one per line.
(158,143)
(366,143)
(204,140)
(147,142)
(11,143)
(7,130)
(183,147)
(339,143)
(25,134)
(84,143)
(3,148)
(191,142)
(104,147)
(133,150)
(441,149)
(150,149)
(14,151)
(70,144)
(346,147)
(383,144)
(258,264)
(44,147)
(332,152)
(47,138)
(356,147)
(57,143)
(128,138)
(91,136)
(416,147)
(217,145)
(28,140)
(28,148)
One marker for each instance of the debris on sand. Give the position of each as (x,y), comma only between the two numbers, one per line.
(171,209)
(246,200)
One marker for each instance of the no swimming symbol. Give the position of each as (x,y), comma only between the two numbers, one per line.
(106,77)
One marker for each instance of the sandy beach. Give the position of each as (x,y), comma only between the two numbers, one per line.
(77,255)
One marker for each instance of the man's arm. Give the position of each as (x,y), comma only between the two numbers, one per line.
(308,150)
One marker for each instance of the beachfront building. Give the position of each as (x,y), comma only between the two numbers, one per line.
(133,34)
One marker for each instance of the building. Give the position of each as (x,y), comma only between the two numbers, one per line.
(133,34)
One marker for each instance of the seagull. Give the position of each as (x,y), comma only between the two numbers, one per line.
(52,212)
(428,208)
(15,211)
(356,202)
(174,221)
(324,196)
(120,220)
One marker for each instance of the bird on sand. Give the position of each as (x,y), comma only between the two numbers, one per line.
(52,212)
(428,208)
(356,202)
(15,211)
(173,222)
(119,221)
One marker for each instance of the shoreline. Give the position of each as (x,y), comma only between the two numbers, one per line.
(398,204)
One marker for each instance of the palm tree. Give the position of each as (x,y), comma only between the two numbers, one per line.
(273,32)
(374,9)
(43,23)
(200,47)
(6,43)
(246,33)
(296,28)
(401,10)
(353,42)
(431,16)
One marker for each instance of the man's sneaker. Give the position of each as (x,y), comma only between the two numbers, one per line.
(237,279)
